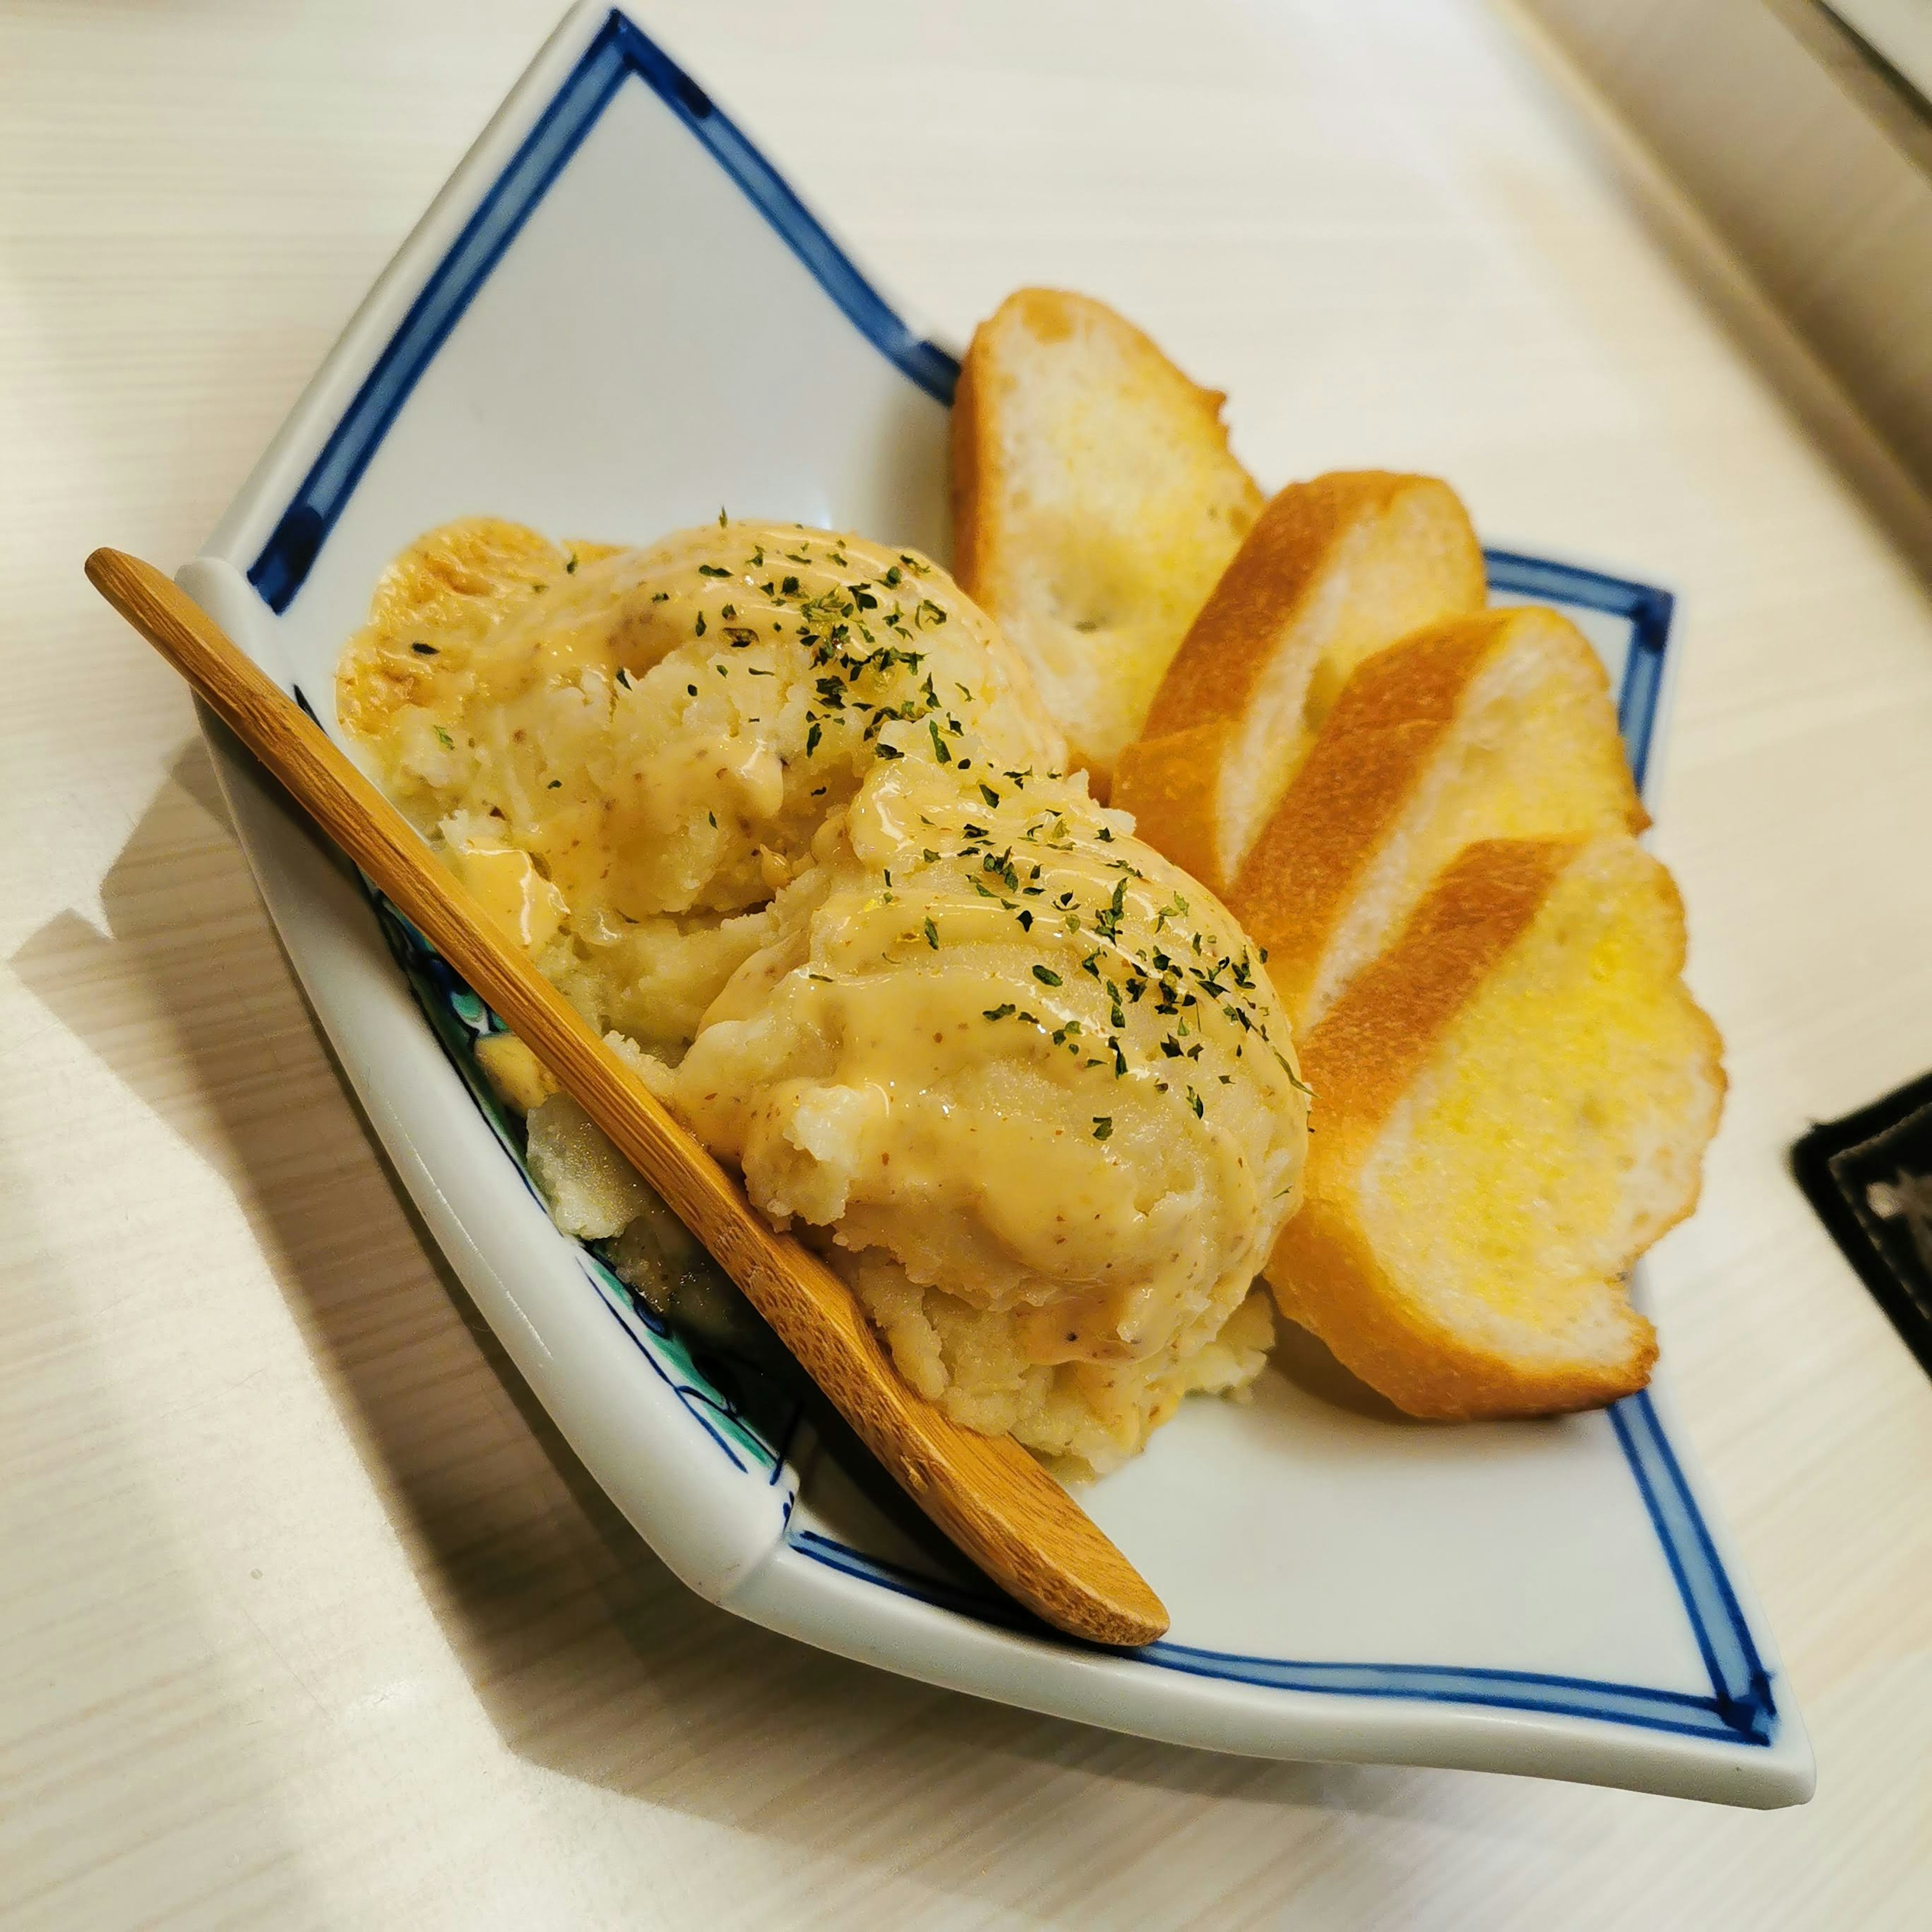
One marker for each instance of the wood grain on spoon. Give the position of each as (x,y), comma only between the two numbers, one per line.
(988,1495)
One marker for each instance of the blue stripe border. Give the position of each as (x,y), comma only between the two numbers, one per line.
(1648,611)
(620,49)
(1740,1707)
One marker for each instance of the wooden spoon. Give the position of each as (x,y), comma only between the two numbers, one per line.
(987,1495)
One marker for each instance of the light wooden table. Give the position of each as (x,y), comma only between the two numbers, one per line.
(306,1616)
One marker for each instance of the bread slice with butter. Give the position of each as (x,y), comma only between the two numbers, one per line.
(1496,726)
(1510,1105)
(1095,502)
(1334,571)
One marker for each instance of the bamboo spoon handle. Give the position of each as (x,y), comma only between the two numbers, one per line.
(986,1493)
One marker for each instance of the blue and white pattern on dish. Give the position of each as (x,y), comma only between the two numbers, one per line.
(1740,1707)
(750,1424)
(621,50)
(746,1414)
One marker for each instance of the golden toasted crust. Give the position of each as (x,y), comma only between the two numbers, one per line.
(1361,1060)
(970,445)
(1388,1344)
(1361,772)
(1159,780)
(1368,1050)
(1225,655)
(1334,571)
(1359,775)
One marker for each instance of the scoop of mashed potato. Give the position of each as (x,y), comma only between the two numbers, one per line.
(666,729)
(780,812)
(1032,1082)
(626,754)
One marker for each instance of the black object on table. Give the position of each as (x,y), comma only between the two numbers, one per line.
(1870,1176)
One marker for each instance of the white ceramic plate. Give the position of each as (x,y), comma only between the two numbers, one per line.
(615,319)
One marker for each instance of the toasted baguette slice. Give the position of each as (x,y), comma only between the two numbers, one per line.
(1334,570)
(1094,503)
(1497,726)
(1510,1105)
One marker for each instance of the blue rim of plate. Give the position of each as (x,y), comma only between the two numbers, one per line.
(1740,1707)
(1644,607)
